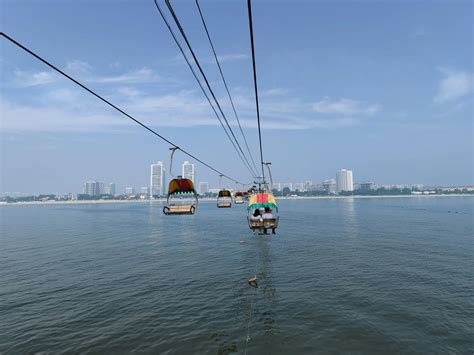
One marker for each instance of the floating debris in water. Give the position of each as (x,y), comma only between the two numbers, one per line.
(253,282)
(242,242)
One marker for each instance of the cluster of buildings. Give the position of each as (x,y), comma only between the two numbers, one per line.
(157,187)
(343,182)
(94,188)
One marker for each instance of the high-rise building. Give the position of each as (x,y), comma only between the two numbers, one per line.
(90,188)
(144,190)
(188,170)
(344,180)
(100,188)
(94,188)
(329,186)
(366,186)
(157,179)
(129,191)
(112,188)
(203,188)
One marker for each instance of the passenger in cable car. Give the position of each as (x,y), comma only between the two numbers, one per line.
(268,215)
(256,215)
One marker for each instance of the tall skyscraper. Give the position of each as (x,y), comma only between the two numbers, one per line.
(157,179)
(90,188)
(188,170)
(112,188)
(344,180)
(93,188)
(203,188)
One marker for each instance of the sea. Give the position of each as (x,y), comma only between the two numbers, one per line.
(352,275)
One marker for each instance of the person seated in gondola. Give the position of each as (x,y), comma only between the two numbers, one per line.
(268,215)
(256,215)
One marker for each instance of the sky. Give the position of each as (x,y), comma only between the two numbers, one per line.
(383,88)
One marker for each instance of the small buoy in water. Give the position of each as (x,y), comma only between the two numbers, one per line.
(242,241)
(253,282)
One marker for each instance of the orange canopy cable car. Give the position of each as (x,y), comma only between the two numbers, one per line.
(182,197)
(239,197)
(224,198)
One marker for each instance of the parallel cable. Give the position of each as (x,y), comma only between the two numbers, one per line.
(225,84)
(199,82)
(188,44)
(249,5)
(113,106)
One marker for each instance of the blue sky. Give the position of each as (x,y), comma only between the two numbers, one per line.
(384,88)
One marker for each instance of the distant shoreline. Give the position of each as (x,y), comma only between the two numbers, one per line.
(161,201)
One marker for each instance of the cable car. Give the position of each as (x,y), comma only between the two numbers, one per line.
(260,203)
(239,197)
(182,198)
(224,199)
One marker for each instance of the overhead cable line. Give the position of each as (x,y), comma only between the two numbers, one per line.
(200,85)
(225,84)
(183,34)
(255,85)
(113,106)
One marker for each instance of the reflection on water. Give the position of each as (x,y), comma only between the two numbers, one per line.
(347,275)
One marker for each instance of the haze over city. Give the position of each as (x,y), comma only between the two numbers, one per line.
(322,103)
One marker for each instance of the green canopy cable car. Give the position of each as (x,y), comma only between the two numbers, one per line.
(262,212)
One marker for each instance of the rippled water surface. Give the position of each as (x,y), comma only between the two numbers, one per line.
(347,275)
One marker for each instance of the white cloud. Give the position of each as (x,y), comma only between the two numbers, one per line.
(274,92)
(25,79)
(78,67)
(84,70)
(61,107)
(140,76)
(232,57)
(345,107)
(453,86)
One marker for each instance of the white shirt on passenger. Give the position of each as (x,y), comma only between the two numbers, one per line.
(267,215)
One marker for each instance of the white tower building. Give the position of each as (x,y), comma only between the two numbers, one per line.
(188,170)
(203,188)
(344,180)
(157,179)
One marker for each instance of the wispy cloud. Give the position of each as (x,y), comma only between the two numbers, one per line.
(453,86)
(345,107)
(274,92)
(84,72)
(26,79)
(140,76)
(78,67)
(232,57)
(60,107)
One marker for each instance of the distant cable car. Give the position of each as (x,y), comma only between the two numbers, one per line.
(182,198)
(261,204)
(239,197)
(224,199)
